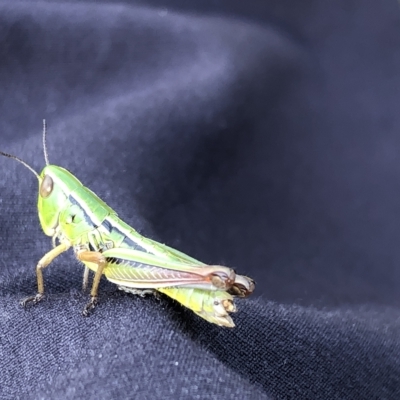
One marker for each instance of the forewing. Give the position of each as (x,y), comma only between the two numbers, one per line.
(172,254)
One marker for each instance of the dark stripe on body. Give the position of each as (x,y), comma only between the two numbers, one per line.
(127,241)
(109,227)
(88,220)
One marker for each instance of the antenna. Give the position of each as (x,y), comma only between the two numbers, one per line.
(46,157)
(22,162)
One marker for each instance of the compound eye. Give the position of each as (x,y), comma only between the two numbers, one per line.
(46,187)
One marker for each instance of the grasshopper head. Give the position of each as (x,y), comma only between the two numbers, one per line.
(55,185)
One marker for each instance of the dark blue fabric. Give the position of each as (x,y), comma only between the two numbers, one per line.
(262,135)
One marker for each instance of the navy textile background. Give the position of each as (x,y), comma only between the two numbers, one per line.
(263,135)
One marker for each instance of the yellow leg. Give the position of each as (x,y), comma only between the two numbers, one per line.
(85,278)
(96,258)
(43,263)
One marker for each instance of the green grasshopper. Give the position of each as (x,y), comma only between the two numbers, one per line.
(75,217)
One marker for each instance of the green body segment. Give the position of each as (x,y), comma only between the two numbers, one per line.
(212,306)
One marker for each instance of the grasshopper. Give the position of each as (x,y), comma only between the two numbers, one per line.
(74,217)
